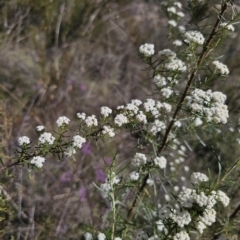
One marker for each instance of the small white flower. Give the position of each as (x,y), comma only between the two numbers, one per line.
(183,235)
(70,151)
(147,49)
(166,92)
(23,140)
(91,121)
(167,53)
(106,111)
(141,117)
(198,177)
(177,43)
(101,236)
(228,26)
(223,198)
(173,23)
(180,14)
(81,116)
(134,176)
(120,119)
(159,81)
(150,182)
(78,141)
(40,128)
(161,162)
(220,67)
(37,161)
(46,138)
(171,10)
(178,4)
(88,236)
(195,37)
(139,159)
(108,130)
(62,121)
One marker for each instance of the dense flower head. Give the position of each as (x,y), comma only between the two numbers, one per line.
(221,68)
(120,119)
(70,151)
(40,128)
(159,81)
(176,65)
(172,23)
(161,162)
(81,116)
(198,177)
(37,161)
(195,37)
(228,26)
(106,111)
(46,138)
(101,236)
(91,121)
(181,217)
(222,197)
(183,235)
(167,53)
(134,176)
(171,9)
(23,140)
(139,159)
(108,130)
(78,141)
(88,236)
(209,105)
(208,217)
(62,121)
(147,49)
(177,43)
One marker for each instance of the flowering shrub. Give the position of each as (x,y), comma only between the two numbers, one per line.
(149,198)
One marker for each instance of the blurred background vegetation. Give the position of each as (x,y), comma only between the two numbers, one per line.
(60,57)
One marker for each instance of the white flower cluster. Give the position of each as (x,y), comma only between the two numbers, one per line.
(120,120)
(221,68)
(101,236)
(23,140)
(147,49)
(172,23)
(139,159)
(198,177)
(227,26)
(62,121)
(161,162)
(195,37)
(81,116)
(183,235)
(177,43)
(189,198)
(37,161)
(106,111)
(108,130)
(157,126)
(91,121)
(208,105)
(70,151)
(172,62)
(46,138)
(40,128)
(134,176)
(166,92)
(78,141)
